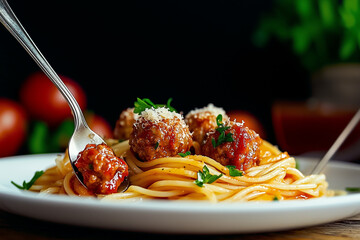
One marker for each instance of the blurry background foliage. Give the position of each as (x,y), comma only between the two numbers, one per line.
(319,32)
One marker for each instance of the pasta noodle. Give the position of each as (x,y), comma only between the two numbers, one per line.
(274,178)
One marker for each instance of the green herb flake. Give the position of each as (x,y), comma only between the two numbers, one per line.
(213,142)
(352,189)
(275,199)
(204,176)
(27,185)
(221,129)
(185,154)
(142,104)
(171,109)
(156,145)
(233,172)
(91,166)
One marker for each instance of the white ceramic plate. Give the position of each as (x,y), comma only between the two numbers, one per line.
(176,217)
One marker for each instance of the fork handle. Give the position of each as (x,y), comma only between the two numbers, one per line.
(337,144)
(13,25)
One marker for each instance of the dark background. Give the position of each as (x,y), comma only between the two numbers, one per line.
(196,52)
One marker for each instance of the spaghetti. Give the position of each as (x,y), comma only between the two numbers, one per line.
(274,178)
(167,157)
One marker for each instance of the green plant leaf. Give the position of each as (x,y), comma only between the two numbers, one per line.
(351,5)
(304,8)
(61,137)
(347,47)
(301,39)
(327,12)
(38,138)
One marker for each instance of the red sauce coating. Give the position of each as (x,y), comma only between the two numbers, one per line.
(102,171)
(243,152)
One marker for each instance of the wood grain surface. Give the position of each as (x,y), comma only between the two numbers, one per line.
(14,227)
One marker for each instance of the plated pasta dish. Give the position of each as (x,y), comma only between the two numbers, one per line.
(163,154)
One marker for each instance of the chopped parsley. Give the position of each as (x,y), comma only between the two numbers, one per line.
(142,104)
(91,166)
(171,109)
(221,129)
(352,189)
(275,199)
(233,172)
(185,154)
(27,185)
(156,145)
(204,176)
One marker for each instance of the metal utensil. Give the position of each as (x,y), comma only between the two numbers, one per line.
(82,135)
(338,142)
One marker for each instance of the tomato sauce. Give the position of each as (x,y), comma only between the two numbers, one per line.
(102,171)
(245,148)
(243,152)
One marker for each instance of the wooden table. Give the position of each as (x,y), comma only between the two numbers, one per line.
(17,227)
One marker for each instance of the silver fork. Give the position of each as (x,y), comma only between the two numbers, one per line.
(82,134)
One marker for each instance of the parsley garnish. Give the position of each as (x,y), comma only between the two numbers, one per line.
(27,185)
(156,145)
(145,103)
(221,129)
(91,166)
(184,154)
(204,176)
(233,172)
(171,109)
(275,199)
(352,189)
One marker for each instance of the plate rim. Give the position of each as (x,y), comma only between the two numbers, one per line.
(187,208)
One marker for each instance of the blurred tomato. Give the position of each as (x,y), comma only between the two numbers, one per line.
(13,123)
(99,125)
(44,101)
(249,120)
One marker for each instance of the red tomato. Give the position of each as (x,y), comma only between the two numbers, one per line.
(13,123)
(99,125)
(250,121)
(44,101)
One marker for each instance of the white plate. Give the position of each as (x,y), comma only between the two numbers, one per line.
(176,217)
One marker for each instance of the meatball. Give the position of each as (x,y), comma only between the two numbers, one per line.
(102,171)
(159,133)
(203,120)
(238,146)
(124,124)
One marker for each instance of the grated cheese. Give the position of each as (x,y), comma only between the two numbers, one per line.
(157,114)
(210,109)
